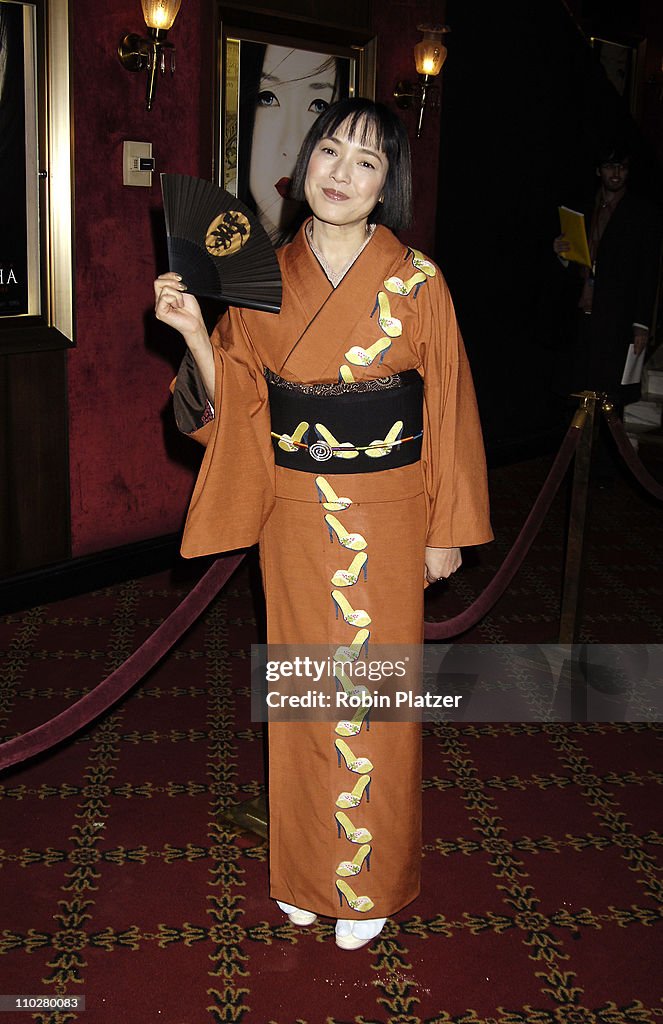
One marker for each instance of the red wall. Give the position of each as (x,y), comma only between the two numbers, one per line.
(124,484)
(395,25)
(130,475)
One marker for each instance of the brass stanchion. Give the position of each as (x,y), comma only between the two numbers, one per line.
(586,419)
(249,816)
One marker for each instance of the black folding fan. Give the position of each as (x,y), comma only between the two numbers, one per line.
(218,245)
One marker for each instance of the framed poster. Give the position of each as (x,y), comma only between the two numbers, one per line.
(623,63)
(19,210)
(36,272)
(272,88)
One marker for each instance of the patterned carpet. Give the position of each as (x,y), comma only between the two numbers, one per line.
(542,895)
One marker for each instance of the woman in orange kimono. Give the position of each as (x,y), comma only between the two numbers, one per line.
(343,436)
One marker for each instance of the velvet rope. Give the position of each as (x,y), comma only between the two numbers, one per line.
(130,672)
(511,564)
(119,682)
(627,452)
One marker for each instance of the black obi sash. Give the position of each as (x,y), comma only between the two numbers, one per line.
(360,427)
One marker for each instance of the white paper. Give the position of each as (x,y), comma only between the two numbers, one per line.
(633,366)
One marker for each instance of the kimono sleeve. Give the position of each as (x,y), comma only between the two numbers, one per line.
(234,492)
(192,408)
(453,459)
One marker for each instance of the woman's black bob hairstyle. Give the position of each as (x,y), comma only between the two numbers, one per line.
(370,124)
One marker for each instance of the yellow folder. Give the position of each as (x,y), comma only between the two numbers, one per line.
(572,224)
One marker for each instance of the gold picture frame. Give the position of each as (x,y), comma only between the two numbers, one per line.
(623,61)
(42,315)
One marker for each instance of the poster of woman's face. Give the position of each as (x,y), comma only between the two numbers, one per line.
(280,91)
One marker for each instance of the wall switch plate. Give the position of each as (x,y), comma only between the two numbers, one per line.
(137,163)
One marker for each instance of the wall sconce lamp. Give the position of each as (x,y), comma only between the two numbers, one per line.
(137,53)
(429,56)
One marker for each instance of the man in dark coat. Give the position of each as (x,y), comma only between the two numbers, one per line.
(613,301)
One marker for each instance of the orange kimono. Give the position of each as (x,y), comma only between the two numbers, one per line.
(342,553)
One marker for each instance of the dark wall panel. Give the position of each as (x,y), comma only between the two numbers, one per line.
(525,103)
(34,492)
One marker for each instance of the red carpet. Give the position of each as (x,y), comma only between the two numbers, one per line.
(542,894)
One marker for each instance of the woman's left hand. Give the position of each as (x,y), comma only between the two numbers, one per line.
(440,563)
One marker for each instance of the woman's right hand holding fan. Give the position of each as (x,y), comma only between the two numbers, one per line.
(174,306)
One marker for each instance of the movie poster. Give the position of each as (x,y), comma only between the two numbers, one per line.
(13,214)
(273,94)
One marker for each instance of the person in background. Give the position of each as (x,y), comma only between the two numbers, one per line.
(613,300)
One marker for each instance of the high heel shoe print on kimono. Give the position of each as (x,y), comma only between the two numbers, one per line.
(421,263)
(352,541)
(336,446)
(353,616)
(352,726)
(350,652)
(360,356)
(348,577)
(391,325)
(353,797)
(344,682)
(398,286)
(360,903)
(359,765)
(296,436)
(348,868)
(380,447)
(329,499)
(355,835)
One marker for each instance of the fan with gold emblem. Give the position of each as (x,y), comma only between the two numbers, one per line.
(218,246)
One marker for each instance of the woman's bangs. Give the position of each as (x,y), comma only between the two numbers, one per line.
(361,127)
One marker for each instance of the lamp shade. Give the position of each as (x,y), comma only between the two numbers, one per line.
(430,54)
(160,13)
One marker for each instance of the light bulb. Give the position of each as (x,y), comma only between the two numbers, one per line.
(160,14)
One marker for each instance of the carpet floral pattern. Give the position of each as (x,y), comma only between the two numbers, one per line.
(542,896)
